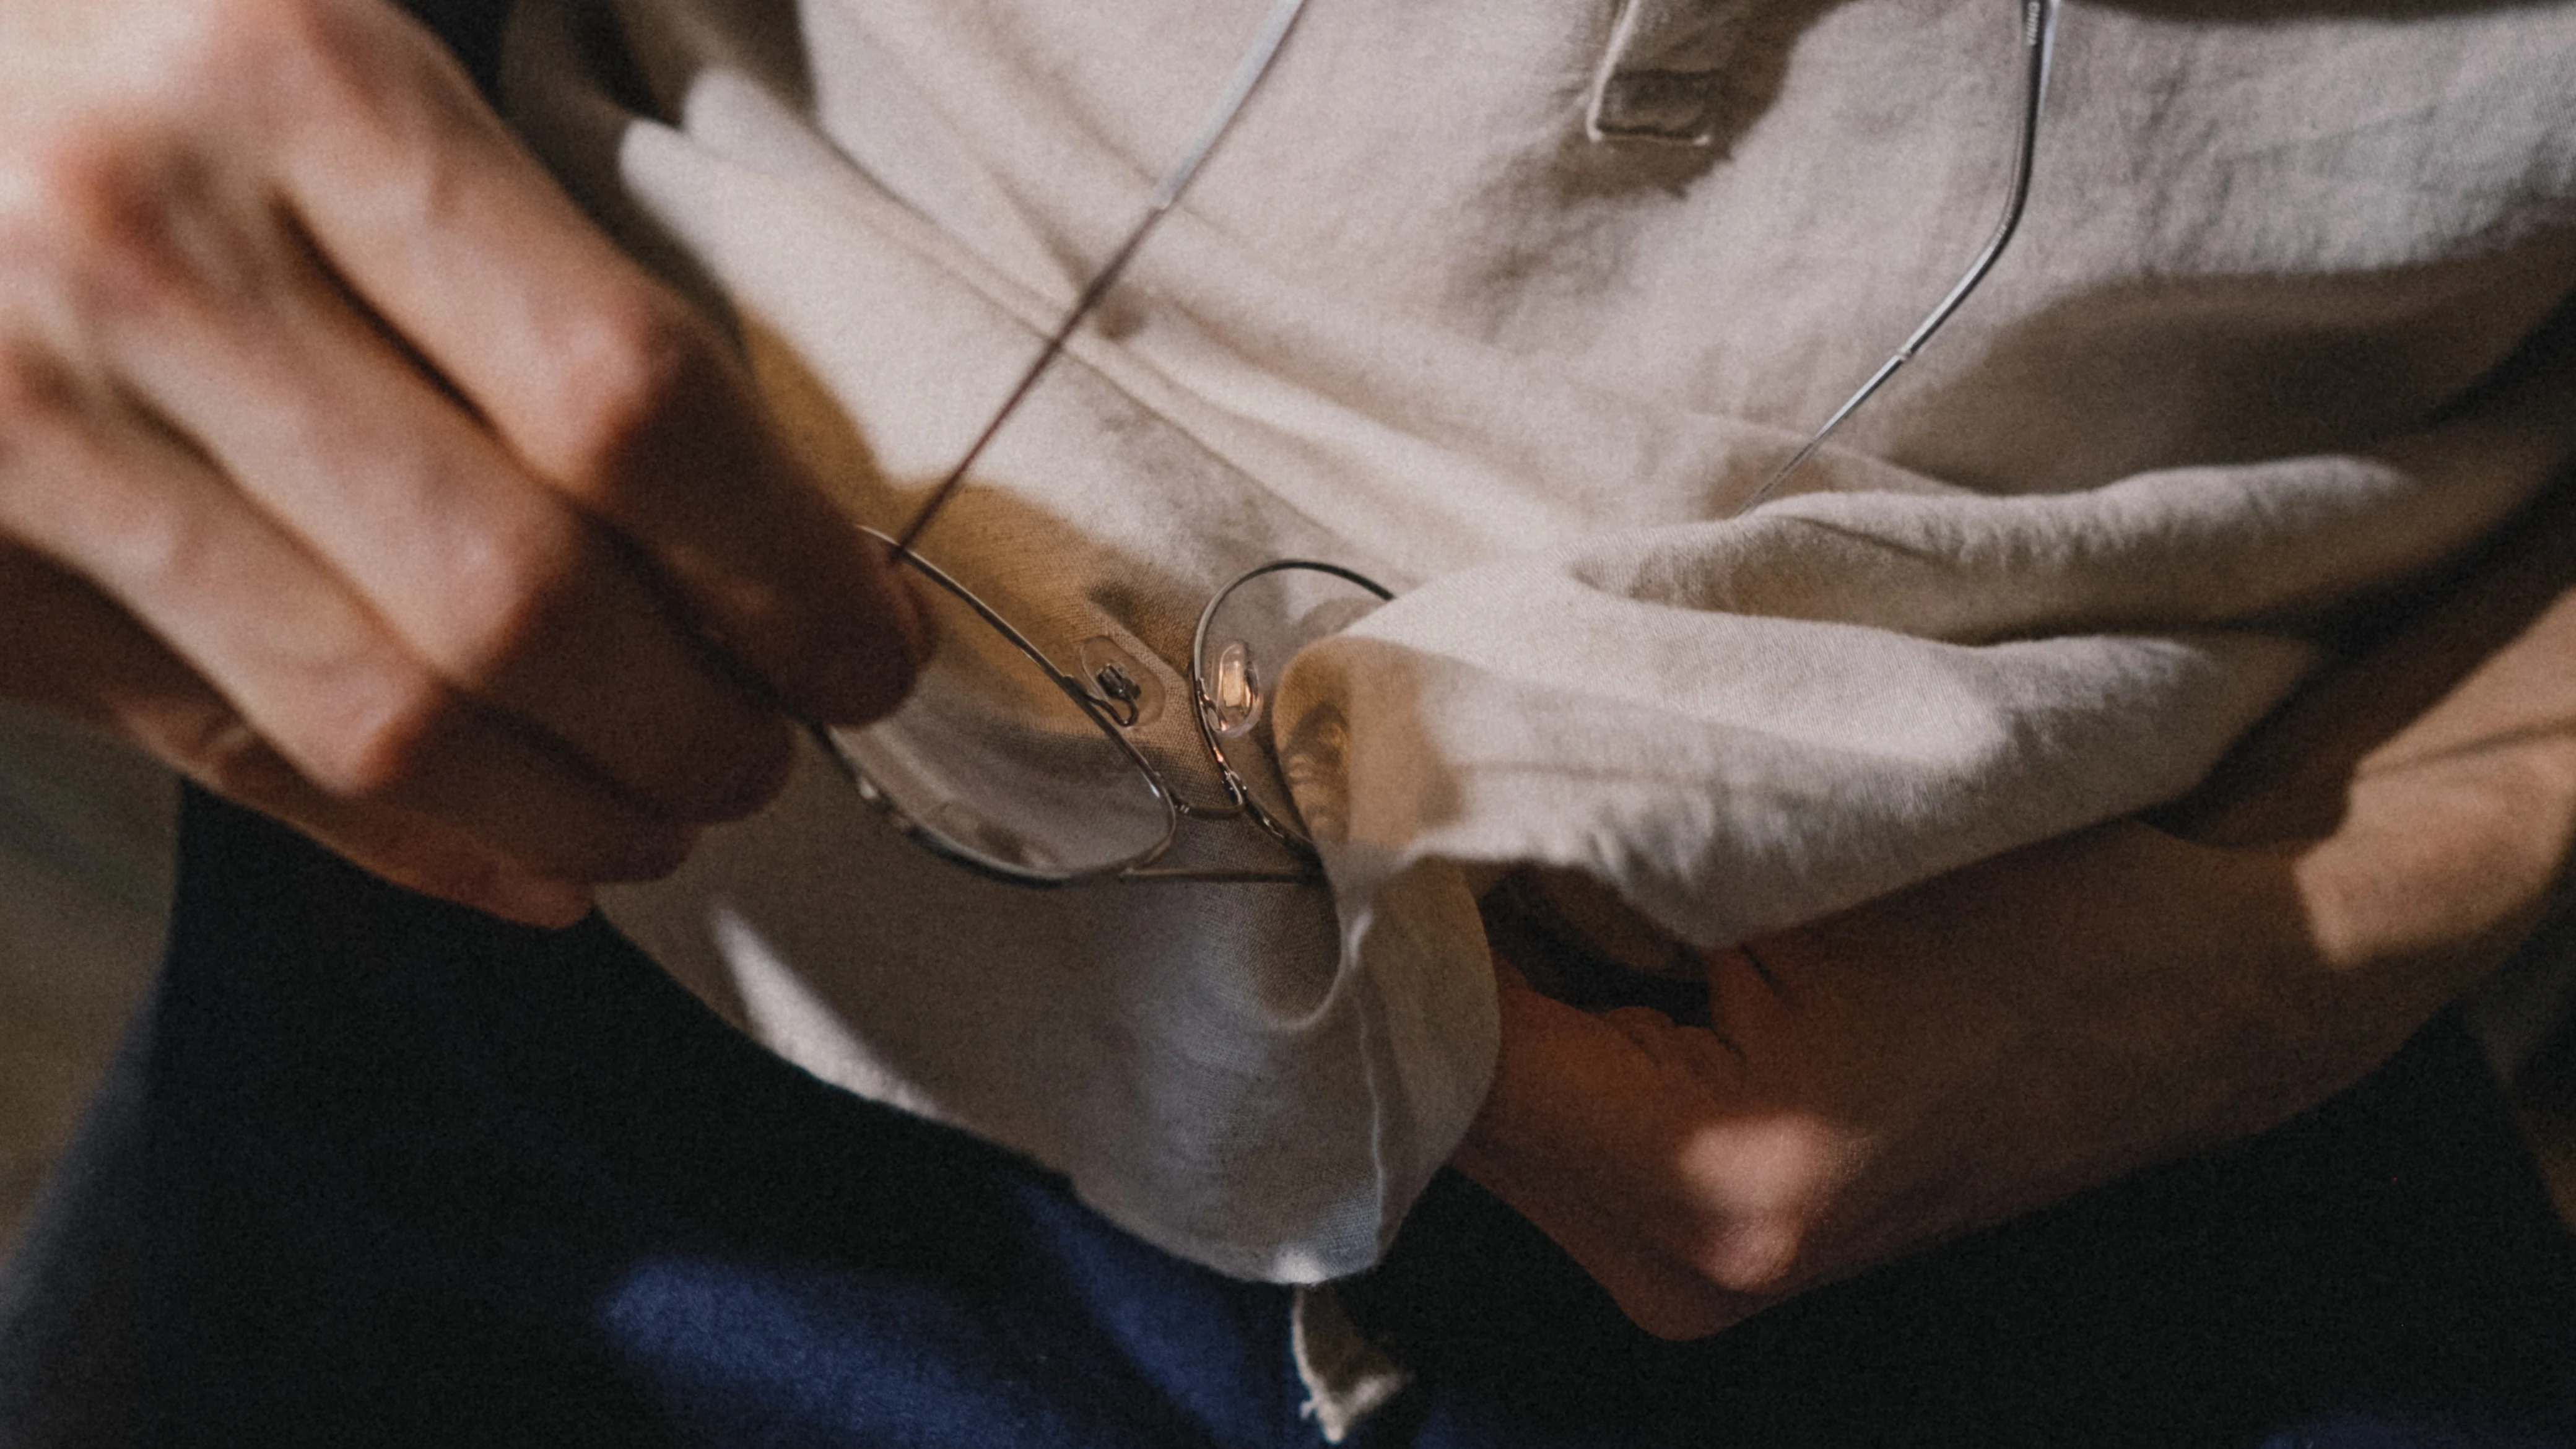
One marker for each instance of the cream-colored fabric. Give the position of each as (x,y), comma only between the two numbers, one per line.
(1417,319)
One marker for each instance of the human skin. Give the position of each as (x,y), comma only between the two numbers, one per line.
(2007,1035)
(346,467)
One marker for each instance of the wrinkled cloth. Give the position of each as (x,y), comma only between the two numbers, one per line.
(1511,305)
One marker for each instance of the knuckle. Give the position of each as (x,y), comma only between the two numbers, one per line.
(274,70)
(1787,1202)
(380,744)
(63,187)
(295,28)
(515,596)
(1765,1258)
(625,370)
(92,225)
(290,46)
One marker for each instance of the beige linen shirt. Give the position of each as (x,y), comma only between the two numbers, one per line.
(1511,303)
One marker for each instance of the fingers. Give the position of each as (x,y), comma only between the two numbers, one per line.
(501,588)
(468,538)
(307,666)
(1606,1133)
(71,649)
(603,382)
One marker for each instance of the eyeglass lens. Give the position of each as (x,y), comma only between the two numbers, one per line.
(991,760)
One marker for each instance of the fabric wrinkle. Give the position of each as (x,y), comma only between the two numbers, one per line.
(2083,544)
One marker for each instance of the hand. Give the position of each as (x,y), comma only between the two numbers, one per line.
(2007,1035)
(345,466)
(1928,1064)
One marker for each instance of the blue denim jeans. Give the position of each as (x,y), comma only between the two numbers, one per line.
(376,1171)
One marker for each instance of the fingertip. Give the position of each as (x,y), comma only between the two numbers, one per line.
(879,647)
(763,785)
(862,681)
(647,851)
(527,900)
(758,771)
(870,668)
(429,859)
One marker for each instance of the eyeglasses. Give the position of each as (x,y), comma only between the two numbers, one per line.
(1013,765)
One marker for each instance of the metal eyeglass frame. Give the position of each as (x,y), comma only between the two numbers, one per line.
(1112,692)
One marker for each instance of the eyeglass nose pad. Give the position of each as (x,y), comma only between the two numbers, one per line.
(1235,694)
(1126,690)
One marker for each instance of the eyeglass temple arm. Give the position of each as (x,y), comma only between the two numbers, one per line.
(2039,29)
(2039,34)
(1247,78)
